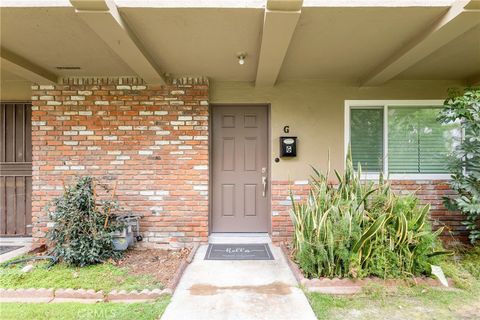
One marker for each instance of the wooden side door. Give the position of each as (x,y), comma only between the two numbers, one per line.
(15,169)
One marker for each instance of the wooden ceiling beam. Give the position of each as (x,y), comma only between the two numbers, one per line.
(103,17)
(280,21)
(460,18)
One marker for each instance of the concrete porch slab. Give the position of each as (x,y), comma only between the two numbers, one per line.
(15,241)
(213,289)
(239,238)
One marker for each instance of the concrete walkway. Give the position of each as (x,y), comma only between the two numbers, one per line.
(24,244)
(243,290)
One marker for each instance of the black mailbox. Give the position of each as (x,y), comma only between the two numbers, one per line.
(288,146)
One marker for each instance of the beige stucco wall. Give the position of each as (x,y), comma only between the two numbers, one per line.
(314,110)
(15,90)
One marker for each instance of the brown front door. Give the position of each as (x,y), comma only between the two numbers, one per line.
(240,195)
(15,169)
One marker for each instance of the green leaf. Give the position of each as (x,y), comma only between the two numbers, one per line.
(373,230)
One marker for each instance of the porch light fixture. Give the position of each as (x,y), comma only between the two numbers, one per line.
(241,58)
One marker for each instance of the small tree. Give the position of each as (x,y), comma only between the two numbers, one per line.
(82,230)
(464,163)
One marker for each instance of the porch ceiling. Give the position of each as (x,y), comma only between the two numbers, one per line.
(346,43)
(458,60)
(340,43)
(186,41)
(56,36)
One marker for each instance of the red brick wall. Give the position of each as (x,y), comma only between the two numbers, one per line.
(432,192)
(282,228)
(428,191)
(152,141)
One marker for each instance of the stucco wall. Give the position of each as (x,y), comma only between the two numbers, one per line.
(15,90)
(314,110)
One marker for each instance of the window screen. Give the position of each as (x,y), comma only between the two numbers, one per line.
(417,142)
(366,138)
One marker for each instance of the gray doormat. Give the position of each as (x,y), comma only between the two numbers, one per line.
(5,249)
(257,251)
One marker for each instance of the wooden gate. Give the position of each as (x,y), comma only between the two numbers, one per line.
(15,169)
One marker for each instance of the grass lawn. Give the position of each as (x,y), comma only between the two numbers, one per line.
(80,311)
(411,303)
(99,277)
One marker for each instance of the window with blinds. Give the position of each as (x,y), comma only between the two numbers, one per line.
(366,136)
(417,142)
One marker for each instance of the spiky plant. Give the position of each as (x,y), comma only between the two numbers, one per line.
(360,228)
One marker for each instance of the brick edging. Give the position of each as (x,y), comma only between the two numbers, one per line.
(172,285)
(192,253)
(26,295)
(76,295)
(345,286)
(80,295)
(293,266)
(136,296)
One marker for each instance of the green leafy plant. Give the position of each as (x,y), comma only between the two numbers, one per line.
(83,225)
(360,228)
(464,163)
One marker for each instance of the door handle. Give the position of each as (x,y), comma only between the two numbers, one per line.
(264,182)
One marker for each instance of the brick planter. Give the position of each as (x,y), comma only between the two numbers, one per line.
(345,286)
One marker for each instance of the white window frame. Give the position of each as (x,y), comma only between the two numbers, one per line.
(379,104)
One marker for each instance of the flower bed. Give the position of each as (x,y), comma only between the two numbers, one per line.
(346,286)
(360,229)
(141,275)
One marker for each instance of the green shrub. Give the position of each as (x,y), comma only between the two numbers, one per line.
(83,226)
(464,163)
(463,267)
(471,262)
(359,229)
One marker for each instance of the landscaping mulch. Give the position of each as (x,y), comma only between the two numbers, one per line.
(157,263)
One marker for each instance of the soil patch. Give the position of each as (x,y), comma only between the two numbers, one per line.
(160,264)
